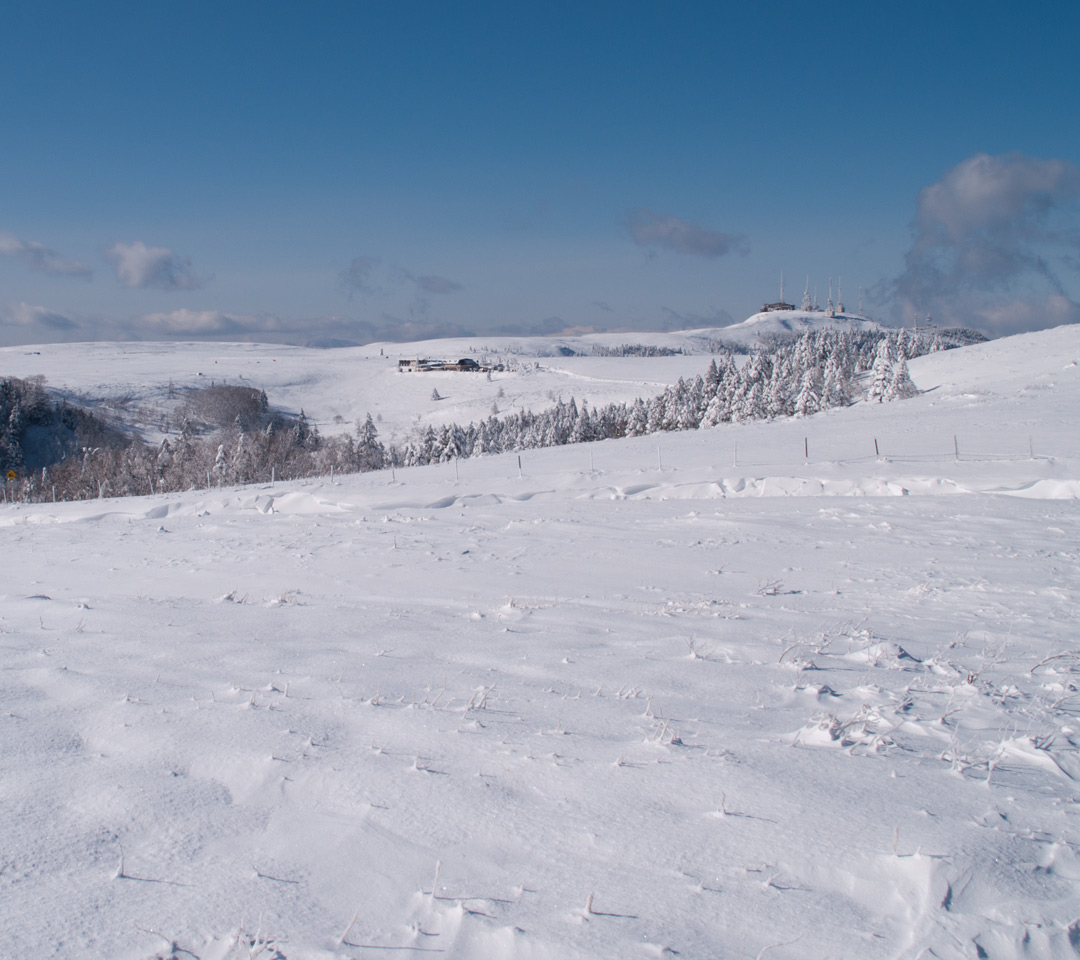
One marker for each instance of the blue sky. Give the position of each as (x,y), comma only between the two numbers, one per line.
(383,170)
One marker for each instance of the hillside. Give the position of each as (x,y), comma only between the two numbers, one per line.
(143,386)
(762,327)
(744,691)
(139,383)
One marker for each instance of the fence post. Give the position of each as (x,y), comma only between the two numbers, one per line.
(956,447)
(876,453)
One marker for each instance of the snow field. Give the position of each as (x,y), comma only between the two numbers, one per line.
(618,705)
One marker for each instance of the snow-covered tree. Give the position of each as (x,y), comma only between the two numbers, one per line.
(900,386)
(881,372)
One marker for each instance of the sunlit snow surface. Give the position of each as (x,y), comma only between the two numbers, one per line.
(747,691)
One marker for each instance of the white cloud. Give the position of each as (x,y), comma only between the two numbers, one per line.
(650,229)
(43,259)
(138,265)
(28,315)
(1018,315)
(989,241)
(202,322)
(986,196)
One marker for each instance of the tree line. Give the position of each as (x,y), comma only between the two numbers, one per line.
(230,435)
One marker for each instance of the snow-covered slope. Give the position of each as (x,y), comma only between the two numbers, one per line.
(773,324)
(139,382)
(746,691)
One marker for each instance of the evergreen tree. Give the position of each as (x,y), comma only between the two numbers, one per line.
(881,372)
(900,386)
(370,453)
(637,423)
(809,399)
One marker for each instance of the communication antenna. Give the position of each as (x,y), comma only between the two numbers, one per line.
(839,297)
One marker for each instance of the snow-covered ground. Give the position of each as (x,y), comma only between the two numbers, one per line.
(139,383)
(761,327)
(751,691)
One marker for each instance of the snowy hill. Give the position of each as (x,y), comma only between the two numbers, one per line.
(754,690)
(141,385)
(138,382)
(773,324)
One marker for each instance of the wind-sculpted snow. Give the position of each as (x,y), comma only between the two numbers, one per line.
(299,503)
(749,692)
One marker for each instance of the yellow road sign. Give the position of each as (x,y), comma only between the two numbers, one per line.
(11,474)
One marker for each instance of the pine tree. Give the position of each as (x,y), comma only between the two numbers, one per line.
(370,453)
(834,390)
(900,386)
(809,399)
(712,376)
(881,372)
(637,423)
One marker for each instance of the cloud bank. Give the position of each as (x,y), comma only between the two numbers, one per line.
(24,323)
(29,316)
(198,323)
(990,240)
(43,259)
(652,230)
(137,265)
